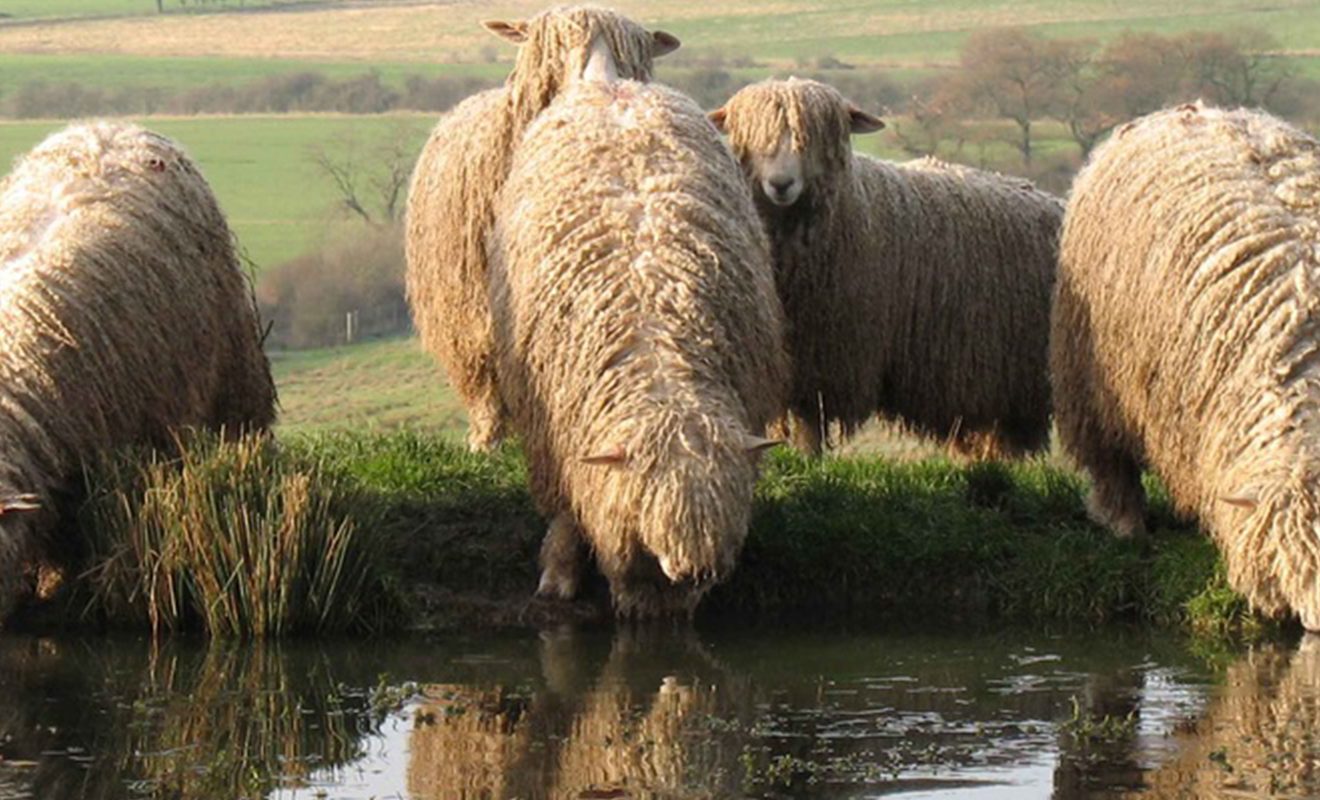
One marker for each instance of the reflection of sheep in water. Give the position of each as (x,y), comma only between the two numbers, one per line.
(1256,738)
(1184,338)
(638,341)
(460,173)
(125,315)
(920,291)
(638,727)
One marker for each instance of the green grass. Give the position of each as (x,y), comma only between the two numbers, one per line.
(859,538)
(378,385)
(277,203)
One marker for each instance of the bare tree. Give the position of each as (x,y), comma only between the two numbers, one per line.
(1234,69)
(370,179)
(1012,74)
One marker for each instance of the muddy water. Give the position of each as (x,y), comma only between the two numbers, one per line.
(578,714)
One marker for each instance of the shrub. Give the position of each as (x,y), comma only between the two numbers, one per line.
(358,270)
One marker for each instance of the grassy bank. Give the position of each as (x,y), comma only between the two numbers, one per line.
(455,535)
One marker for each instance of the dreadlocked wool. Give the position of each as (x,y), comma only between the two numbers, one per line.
(125,315)
(1186,338)
(639,341)
(920,291)
(460,173)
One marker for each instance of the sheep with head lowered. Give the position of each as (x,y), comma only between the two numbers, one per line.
(638,339)
(463,166)
(919,291)
(125,316)
(1185,338)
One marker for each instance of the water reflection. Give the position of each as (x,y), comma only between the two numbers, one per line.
(659,713)
(87,720)
(1259,736)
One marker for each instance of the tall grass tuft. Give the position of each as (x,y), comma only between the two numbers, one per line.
(236,537)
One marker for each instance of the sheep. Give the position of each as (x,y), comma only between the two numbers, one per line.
(1184,333)
(919,291)
(638,339)
(125,315)
(451,197)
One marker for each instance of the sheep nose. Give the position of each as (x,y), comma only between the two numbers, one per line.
(781,184)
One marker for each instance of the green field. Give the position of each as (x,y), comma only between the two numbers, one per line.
(74,9)
(378,385)
(277,202)
(876,31)
(280,206)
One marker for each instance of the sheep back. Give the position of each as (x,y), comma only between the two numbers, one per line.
(635,310)
(457,178)
(126,315)
(1184,336)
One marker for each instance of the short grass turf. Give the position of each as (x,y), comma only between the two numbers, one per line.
(381,385)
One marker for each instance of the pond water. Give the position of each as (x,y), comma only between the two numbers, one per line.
(661,713)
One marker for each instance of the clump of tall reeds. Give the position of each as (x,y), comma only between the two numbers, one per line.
(237,538)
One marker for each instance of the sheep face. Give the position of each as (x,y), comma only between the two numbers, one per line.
(681,488)
(777,174)
(791,137)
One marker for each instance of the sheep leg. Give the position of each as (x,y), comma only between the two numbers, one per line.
(485,424)
(1117,499)
(806,433)
(561,559)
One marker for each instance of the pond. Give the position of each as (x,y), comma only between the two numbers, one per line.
(670,713)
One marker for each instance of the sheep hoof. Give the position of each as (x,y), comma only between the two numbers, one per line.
(556,585)
(1124,525)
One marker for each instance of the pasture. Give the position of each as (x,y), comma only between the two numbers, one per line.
(277,203)
(887,32)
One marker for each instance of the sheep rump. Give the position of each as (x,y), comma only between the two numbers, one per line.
(126,315)
(919,291)
(639,340)
(1184,338)
(459,175)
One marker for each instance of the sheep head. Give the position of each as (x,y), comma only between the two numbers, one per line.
(791,135)
(554,46)
(679,484)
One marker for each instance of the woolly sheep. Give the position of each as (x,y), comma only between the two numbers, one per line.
(460,173)
(1184,338)
(638,341)
(125,315)
(920,291)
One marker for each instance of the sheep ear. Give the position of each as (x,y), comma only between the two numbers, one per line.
(862,122)
(663,43)
(612,458)
(15,503)
(1245,500)
(515,32)
(758,444)
(718,118)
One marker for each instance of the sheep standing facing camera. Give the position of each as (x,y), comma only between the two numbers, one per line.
(918,291)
